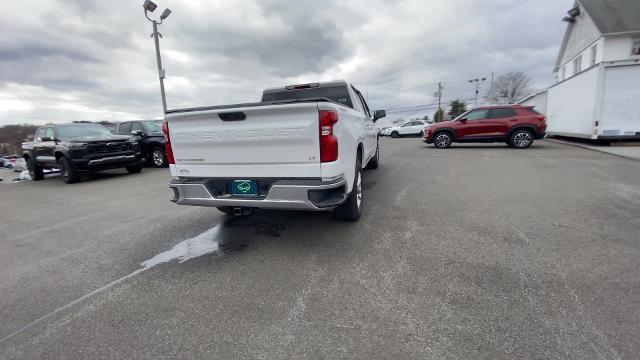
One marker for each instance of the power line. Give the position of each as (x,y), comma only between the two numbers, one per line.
(417,108)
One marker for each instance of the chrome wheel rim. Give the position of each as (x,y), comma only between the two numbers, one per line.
(522,139)
(359,190)
(443,140)
(158,158)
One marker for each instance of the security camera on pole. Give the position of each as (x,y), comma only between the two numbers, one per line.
(150,6)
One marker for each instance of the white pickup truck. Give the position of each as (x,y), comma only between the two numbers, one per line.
(302,148)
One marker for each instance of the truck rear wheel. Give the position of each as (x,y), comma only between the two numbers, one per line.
(68,171)
(375,160)
(351,209)
(36,171)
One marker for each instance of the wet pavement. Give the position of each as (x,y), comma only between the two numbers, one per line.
(478,251)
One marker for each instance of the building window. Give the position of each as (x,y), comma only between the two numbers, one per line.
(594,54)
(577,65)
(635,48)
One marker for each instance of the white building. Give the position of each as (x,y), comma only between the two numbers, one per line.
(597,93)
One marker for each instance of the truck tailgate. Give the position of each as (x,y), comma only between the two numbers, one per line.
(247,142)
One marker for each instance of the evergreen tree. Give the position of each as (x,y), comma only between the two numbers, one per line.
(438,116)
(457,108)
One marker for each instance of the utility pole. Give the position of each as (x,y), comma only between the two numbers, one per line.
(439,96)
(491,97)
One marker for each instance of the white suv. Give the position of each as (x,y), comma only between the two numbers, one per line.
(410,128)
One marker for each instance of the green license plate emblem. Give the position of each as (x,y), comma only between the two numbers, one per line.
(244,187)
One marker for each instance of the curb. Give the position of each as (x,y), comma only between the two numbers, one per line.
(589,147)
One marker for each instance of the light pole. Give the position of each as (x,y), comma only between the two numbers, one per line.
(477,82)
(150,6)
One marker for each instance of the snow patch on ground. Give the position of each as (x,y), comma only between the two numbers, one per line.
(203,244)
(24,175)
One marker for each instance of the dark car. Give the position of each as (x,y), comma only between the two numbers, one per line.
(516,125)
(80,148)
(150,137)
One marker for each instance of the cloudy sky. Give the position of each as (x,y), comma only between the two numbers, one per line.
(71,60)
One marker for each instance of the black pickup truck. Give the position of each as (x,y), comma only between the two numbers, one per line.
(150,137)
(80,148)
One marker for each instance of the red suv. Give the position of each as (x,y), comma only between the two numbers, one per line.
(516,125)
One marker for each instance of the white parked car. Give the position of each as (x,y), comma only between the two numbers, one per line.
(410,128)
(302,148)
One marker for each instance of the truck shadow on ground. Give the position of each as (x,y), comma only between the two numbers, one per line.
(236,233)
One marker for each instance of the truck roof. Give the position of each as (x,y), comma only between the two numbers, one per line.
(69,124)
(316,85)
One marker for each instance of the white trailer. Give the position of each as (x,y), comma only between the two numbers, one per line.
(602,102)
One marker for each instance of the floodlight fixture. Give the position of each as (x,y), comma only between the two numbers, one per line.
(574,12)
(165,14)
(149,6)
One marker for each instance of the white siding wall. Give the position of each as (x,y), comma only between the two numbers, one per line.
(586,59)
(583,33)
(618,48)
(539,101)
(571,105)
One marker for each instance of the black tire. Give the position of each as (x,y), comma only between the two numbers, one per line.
(68,171)
(395,134)
(134,169)
(158,158)
(521,139)
(442,140)
(351,209)
(374,162)
(36,171)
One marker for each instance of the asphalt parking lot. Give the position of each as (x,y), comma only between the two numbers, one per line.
(478,251)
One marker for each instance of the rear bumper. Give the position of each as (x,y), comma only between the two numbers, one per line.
(285,194)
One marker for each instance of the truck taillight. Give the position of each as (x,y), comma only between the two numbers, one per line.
(167,140)
(328,141)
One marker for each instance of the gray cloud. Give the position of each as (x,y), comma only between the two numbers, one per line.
(94,60)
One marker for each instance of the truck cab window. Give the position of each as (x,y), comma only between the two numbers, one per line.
(136,126)
(124,129)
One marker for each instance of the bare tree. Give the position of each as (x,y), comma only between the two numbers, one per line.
(511,87)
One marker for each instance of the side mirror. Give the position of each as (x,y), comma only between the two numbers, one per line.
(46,138)
(137,133)
(379,114)
(463,120)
